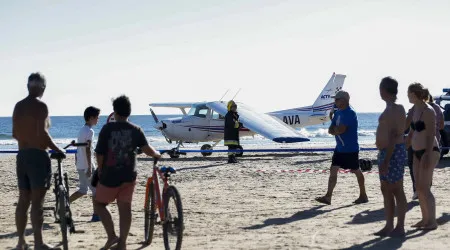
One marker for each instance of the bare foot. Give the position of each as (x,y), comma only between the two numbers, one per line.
(398,232)
(384,232)
(418,224)
(111,242)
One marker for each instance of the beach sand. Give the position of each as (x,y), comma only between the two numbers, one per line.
(236,206)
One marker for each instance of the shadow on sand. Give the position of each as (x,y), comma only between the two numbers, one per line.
(310,162)
(369,216)
(245,157)
(301,215)
(28,231)
(396,243)
(444,163)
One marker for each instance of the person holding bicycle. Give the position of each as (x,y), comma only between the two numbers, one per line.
(30,124)
(84,158)
(116,160)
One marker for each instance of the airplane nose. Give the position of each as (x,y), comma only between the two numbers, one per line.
(160,125)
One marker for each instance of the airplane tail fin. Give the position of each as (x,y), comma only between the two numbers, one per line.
(324,101)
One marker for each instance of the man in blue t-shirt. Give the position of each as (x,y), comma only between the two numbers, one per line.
(344,127)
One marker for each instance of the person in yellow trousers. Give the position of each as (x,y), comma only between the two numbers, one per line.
(231,130)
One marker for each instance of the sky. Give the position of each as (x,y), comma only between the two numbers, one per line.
(279,54)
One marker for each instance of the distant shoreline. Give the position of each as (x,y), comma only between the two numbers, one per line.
(151,115)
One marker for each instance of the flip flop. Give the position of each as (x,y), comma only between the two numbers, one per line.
(112,243)
(323,200)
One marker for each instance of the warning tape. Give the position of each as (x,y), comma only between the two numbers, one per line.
(321,171)
(313,171)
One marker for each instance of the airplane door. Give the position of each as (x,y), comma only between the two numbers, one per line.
(198,125)
(216,126)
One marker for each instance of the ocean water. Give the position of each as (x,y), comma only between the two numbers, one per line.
(64,129)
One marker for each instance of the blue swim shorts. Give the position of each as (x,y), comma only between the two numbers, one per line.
(396,168)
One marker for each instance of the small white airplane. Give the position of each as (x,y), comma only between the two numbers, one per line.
(205,120)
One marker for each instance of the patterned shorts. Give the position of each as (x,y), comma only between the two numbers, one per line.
(396,168)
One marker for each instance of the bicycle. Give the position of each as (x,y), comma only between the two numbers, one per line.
(172,223)
(62,212)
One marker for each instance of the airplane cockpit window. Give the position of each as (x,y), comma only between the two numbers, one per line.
(217,116)
(199,111)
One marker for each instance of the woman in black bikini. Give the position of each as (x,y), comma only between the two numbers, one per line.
(425,152)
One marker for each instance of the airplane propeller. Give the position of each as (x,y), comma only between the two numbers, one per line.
(154,116)
(160,125)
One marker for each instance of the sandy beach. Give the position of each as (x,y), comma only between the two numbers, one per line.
(264,202)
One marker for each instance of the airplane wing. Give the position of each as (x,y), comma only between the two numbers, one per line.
(263,124)
(173,104)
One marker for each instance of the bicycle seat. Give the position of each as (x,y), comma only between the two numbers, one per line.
(168,170)
(58,156)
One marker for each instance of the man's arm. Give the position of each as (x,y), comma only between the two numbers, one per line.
(142,143)
(151,151)
(100,149)
(340,129)
(43,122)
(14,123)
(99,158)
(89,140)
(332,126)
(89,155)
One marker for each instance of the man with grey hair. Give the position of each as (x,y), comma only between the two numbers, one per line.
(344,126)
(30,128)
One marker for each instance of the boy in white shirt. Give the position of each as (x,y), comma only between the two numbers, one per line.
(84,157)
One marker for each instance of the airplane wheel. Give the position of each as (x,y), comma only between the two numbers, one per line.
(206,147)
(240,153)
(173,153)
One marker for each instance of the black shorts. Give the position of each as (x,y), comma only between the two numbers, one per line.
(33,169)
(346,160)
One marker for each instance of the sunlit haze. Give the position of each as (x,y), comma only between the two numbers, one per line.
(279,53)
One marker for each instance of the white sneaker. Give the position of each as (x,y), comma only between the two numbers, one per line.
(415,196)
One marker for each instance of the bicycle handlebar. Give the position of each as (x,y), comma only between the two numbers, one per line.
(74,144)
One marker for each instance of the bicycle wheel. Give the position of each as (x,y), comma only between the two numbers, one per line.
(62,216)
(173,226)
(150,215)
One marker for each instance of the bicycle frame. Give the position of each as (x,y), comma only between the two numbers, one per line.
(158,195)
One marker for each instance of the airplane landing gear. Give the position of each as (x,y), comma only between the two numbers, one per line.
(206,147)
(175,152)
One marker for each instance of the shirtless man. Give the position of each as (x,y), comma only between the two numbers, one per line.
(391,158)
(30,129)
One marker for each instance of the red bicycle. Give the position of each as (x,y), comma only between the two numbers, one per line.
(167,207)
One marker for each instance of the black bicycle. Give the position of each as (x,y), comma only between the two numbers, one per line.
(61,211)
